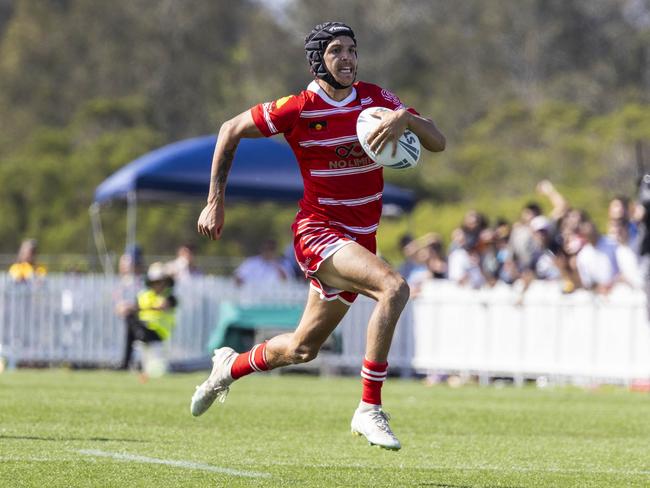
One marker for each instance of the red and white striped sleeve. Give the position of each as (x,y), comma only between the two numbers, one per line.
(278,116)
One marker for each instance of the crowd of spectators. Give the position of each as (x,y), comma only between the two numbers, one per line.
(564,245)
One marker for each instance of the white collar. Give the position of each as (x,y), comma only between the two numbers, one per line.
(315,88)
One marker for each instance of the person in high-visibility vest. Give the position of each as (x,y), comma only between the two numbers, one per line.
(156,310)
(26,268)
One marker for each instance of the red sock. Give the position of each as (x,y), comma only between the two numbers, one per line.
(249,362)
(373,375)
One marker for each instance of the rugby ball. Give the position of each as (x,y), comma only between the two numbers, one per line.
(408,147)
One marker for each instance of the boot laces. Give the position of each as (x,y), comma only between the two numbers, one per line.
(222,393)
(380,419)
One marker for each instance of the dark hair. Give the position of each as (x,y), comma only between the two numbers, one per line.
(405,240)
(533,207)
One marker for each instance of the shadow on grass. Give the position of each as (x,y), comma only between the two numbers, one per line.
(39,438)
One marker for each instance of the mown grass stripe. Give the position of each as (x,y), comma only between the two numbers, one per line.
(434,467)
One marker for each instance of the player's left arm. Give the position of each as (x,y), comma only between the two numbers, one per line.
(393,125)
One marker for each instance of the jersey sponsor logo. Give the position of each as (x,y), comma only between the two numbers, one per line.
(391,97)
(345,150)
(352,155)
(350,163)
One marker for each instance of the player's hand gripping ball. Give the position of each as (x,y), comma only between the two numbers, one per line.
(408,150)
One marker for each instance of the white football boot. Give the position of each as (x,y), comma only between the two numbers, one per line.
(217,386)
(372,422)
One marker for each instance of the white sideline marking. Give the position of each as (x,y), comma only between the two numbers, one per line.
(171,462)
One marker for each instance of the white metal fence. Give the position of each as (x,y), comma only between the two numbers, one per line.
(492,332)
(71,318)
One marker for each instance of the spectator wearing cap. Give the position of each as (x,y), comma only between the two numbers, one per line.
(25,268)
(156,307)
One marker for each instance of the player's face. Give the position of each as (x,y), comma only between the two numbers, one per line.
(341,60)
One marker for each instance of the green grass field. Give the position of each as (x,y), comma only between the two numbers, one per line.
(104,429)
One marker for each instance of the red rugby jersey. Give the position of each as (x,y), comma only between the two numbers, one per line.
(343,186)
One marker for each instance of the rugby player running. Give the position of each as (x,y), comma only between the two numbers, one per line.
(334,230)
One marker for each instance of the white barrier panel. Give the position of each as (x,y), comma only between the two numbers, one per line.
(498,332)
(71,317)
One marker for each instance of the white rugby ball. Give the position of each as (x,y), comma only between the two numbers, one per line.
(408,147)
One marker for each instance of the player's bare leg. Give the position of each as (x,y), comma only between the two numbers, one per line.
(318,321)
(356,269)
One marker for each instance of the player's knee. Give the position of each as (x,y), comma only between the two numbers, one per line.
(396,290)
(303,353)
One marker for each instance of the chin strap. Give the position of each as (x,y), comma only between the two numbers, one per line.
(329,79)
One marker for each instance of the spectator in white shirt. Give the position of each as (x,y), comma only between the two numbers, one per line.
(264,269)
(465,263)
(593,261)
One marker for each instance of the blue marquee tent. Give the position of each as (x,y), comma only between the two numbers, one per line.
(263,169)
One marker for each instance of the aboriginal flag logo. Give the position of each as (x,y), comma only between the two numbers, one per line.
(318,126)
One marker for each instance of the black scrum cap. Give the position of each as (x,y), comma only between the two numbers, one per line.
(315,44)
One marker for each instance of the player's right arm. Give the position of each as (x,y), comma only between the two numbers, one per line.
(210,223)
(263,120)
